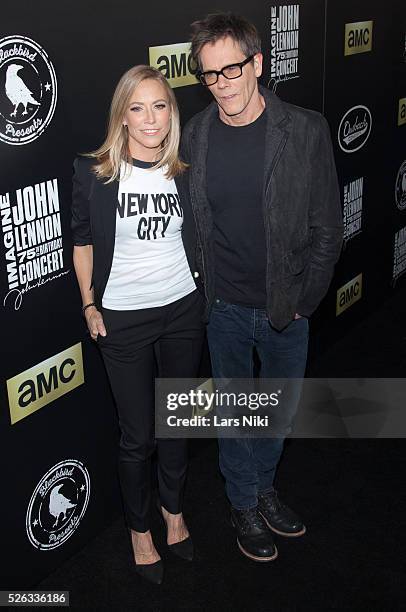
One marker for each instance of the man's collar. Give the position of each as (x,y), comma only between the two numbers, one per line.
(275,108)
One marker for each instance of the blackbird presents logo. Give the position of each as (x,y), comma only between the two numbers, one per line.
(28,90)
(58,504)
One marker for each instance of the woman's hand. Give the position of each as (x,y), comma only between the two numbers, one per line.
(95,322)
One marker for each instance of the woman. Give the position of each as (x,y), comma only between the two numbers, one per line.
(134,254)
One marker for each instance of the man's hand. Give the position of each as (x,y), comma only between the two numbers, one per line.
(95,322)
(298,316)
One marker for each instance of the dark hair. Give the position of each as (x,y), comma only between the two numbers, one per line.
(219,25)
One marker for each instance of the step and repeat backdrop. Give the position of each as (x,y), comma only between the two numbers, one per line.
(59,64)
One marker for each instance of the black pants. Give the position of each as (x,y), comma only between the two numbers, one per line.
(166,341)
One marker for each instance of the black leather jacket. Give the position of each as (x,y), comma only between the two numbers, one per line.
(301,206)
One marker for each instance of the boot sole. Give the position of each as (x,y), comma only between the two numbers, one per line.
(253,557)
(284,533)
(258,559)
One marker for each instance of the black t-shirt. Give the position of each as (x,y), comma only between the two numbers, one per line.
(235,169)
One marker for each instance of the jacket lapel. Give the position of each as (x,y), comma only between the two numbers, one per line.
(198,180)
(278,128)
(105,207)
(277,133)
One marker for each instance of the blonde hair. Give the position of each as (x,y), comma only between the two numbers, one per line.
(115,148)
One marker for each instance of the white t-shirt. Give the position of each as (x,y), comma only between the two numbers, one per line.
(149,266)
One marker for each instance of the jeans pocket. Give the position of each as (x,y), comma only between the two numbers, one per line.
(220,305)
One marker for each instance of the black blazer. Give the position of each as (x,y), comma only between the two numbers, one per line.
(94,212)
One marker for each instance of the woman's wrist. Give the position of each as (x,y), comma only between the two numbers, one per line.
(87,306)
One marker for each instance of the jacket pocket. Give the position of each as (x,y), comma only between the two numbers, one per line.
(298,259)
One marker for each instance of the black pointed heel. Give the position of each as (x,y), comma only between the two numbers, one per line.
(183,549)
(154,572)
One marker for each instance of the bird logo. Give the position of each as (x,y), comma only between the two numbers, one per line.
(59,504)
(28,90)
(17,91)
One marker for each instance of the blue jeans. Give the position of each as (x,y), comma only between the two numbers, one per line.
(249,464)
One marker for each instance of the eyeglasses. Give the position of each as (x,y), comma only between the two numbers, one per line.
(233,71)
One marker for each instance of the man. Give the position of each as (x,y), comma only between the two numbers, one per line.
(264,191)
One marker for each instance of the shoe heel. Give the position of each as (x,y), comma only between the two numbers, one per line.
(183,549)
(154,572)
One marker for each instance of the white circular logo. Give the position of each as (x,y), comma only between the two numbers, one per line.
(58,504)
(354,129)
(28,90)
(400,189)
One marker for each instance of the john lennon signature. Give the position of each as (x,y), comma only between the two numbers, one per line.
(16,295)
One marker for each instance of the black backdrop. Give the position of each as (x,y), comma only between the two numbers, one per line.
(58,432)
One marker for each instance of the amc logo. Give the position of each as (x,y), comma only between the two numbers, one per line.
(358,37)
(402,112)
(349,294)
(175,63)
(45,382)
